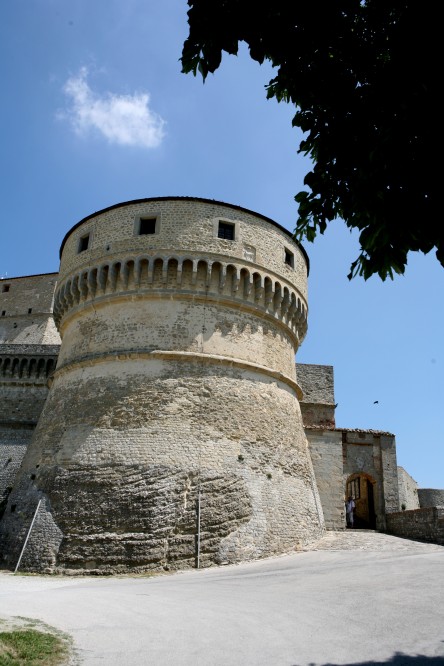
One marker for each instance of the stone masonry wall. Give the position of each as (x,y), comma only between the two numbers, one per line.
(430,497)
(318,399)
(326,455)
(188,224)
(408,490)
(25,310)
(175,378)
(421,524)
(24,372)
(14,441)
(390,473)
(120,476)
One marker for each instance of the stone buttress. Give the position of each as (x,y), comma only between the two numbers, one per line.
(172,433)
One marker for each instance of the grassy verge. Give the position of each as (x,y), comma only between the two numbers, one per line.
(25,645)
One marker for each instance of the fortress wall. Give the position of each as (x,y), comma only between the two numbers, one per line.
(22,403)
(316,382)
(31,329)
(14,440)
(176,375)
(318,401)
(408,490)
(425,524)
(25,310)
(18,294)
(24,372)
(318,415)
(142,451)
(154,325)
(190,225)
(390,473)
(430,497)
(326,454)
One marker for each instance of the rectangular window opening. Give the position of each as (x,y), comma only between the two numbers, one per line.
(147,226)
(83,243)
(5,288)
(3,313)
(225,230)
(289,258)
(29,310)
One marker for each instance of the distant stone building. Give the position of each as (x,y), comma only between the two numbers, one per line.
(152,410)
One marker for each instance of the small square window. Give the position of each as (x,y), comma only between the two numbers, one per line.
(5,287)
(147,226)
(289,258)
(29,310)
(3,313)
(83,243)
(225,230)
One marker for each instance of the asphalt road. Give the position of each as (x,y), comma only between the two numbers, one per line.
(365,599)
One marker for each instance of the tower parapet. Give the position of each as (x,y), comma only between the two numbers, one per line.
(172,433)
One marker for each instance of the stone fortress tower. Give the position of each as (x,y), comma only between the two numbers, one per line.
(29,345)
(172,433)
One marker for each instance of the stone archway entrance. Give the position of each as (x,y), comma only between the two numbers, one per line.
(362,488)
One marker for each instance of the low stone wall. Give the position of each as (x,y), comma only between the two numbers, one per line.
(420,524)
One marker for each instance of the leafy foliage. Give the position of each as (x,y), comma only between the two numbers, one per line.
(362,76)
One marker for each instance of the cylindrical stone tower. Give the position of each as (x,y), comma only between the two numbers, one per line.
(172,433)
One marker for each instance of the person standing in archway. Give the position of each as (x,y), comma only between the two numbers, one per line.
(349,509)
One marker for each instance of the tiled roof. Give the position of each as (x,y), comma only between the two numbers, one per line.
(365,430)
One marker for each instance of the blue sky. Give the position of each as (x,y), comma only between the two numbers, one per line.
(96,111)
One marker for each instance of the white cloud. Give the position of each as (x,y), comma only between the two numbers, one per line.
(123,119)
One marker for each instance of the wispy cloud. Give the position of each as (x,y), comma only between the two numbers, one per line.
(127,120)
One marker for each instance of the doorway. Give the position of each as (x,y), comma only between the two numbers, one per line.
(362,488)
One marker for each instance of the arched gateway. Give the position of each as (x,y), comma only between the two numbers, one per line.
(363,489)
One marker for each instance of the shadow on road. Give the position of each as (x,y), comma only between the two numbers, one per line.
(399,659)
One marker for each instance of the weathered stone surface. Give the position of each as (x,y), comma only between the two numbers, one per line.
(172,420)
(408,491)
(425,524)
(430,497)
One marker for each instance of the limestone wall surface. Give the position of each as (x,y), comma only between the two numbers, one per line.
(316,382)
(189,225)
(326,455)
(408,490)
(318,399)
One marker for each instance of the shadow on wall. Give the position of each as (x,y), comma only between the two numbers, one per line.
(399,659)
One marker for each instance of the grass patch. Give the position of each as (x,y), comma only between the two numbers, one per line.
(29,647)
